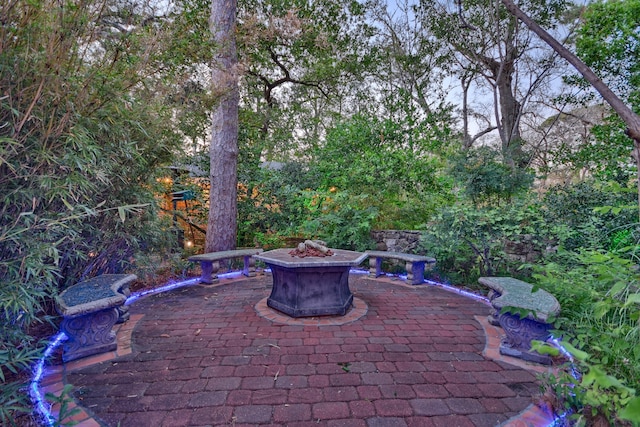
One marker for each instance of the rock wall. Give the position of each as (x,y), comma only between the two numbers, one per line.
(523,249)
(526,250)
(396,240)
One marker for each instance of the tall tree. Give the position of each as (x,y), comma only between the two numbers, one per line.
(626,113)
(492,48)
(301,60)
(413,65)
(223,154)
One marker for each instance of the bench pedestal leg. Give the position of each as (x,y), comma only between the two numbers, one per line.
(415,272)
(249,269)
(375,267)
(494,316)
(519,334)
(89,334)
(209,272)
(123,310)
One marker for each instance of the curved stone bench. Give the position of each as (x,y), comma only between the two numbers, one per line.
(414,264)
(90,309)
(210,262)
(524,315)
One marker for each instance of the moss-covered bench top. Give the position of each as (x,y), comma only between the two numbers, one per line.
(541,305)
(94,294)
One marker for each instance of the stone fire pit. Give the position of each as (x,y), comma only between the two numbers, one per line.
(305,286)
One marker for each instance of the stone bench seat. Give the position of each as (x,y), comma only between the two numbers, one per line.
(90,309)
(414,264)
(210,262)
(523,314)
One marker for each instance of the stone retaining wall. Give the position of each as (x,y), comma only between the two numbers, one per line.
(522,249)
(396,240)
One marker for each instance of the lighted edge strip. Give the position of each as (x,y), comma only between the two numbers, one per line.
(44,409)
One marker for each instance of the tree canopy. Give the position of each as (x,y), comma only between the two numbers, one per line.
(318,119)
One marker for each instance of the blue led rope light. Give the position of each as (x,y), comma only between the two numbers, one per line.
(40,404)
(44,409)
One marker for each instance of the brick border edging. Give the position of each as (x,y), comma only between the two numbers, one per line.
(359,309)
(53,377)
(533,415)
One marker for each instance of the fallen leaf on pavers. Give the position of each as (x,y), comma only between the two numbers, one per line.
(198,332)
(346,366)
(165,336)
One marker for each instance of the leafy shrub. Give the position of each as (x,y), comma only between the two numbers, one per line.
(340,221)
(577,219)
(485,179)
(82,135)
(272,206)
(468,241)
(395,167)
(599,295)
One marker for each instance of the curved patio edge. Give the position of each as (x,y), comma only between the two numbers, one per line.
(53,376)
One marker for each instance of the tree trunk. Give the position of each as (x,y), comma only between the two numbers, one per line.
(223,153)
(510,110)
(631,119)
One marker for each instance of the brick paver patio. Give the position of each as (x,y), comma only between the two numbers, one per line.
(216,355)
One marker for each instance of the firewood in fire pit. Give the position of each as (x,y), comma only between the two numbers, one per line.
(311,248)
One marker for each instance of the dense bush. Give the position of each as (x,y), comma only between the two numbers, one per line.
(369,173)
(469,241)
(577,217)
(485,179)
(395,167)
(84,127)
(599,295)
(342,220)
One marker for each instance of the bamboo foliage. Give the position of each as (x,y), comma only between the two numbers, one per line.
(85,122)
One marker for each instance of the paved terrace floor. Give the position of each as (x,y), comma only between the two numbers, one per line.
(216,355)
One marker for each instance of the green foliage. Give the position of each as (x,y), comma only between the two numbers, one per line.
(65,412)
(341,221)
(606,156)
(369,173)
(598,292)
(15,402)
(303,61)
(468,241)
(272,205)
(577,215)
(487,180)
(394,166)
(86,118)
(609,43)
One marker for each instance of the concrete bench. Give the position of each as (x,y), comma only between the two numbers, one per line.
(210,263)
(524,315)
(90,309)
(415,264)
